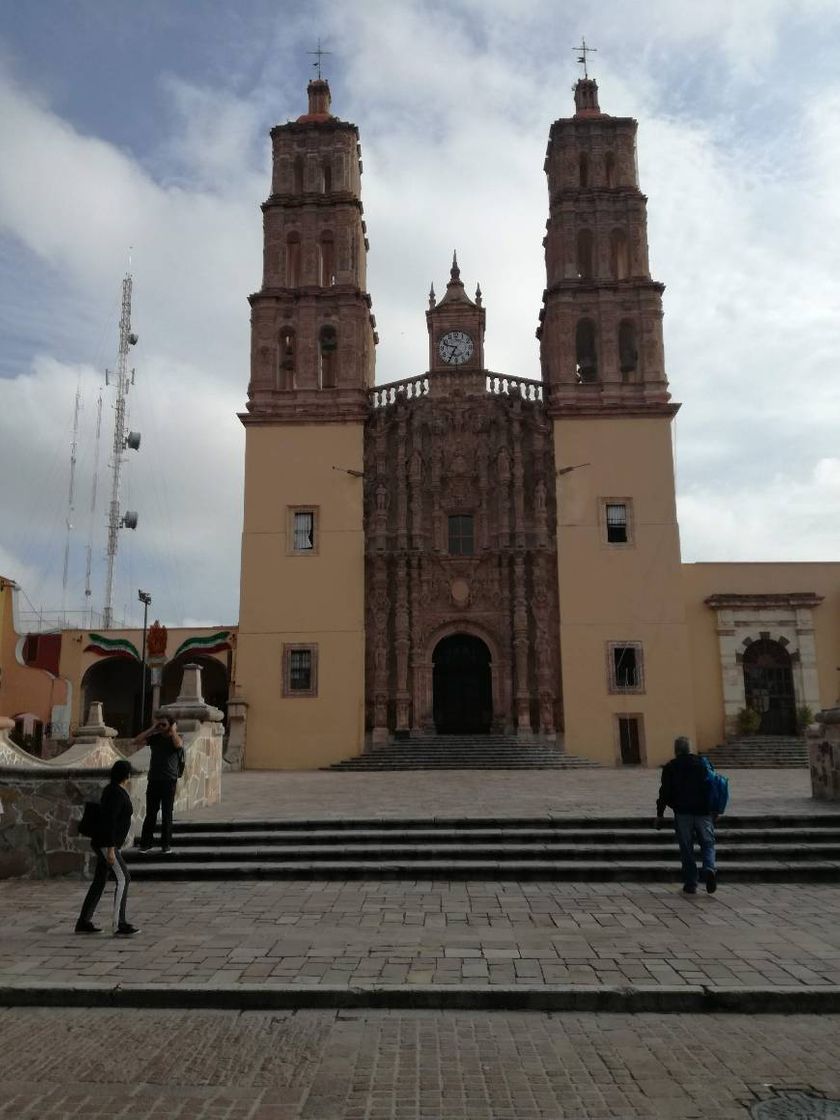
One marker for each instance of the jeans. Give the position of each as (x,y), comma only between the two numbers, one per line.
(687,826)
(160,794)
(100,876)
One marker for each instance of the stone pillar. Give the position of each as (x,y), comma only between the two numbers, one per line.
(237,713)
(824,754)
(95,727)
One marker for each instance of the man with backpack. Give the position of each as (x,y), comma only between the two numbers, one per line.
(696,794)
(165,768)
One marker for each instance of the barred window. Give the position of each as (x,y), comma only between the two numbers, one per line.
(300,670)
(303,531)
(461,535)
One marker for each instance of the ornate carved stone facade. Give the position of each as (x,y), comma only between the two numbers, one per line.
(460,451)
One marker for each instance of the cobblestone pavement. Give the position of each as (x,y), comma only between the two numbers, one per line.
(320,1065)
(364,933)
(310,794)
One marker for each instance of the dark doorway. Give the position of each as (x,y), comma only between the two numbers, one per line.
(463,693)
(116,681)
(629,740)
(768,687)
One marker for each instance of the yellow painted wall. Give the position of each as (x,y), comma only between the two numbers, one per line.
(289,598)
(23,688)
(614,594)
(702,580)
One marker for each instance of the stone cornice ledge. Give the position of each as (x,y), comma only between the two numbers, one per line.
(736,601)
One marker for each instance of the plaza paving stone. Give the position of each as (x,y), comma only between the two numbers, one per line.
(153,1065)
(313,794)
(442,933)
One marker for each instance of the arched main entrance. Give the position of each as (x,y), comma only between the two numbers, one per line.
(768,686)
(462,686)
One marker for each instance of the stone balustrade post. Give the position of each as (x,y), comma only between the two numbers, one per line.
(823,739)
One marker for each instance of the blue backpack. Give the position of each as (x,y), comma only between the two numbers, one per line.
(718,788)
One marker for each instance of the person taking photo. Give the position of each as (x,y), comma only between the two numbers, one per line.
(166,747)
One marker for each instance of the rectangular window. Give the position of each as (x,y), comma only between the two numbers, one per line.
(302,528)
(461,535)
(630,740)
(625,667)
(300,670)
(616,523)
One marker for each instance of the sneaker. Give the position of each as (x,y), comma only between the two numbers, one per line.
(87,927)
(126,930)
(165,851)
(143,847)
(689,889)
(711,881)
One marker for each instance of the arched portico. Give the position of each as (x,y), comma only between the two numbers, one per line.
(116,681)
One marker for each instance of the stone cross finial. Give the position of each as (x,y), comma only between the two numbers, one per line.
(455,272)
(316,65)
(583,51)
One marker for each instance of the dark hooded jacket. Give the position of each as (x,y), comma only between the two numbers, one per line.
(684,787)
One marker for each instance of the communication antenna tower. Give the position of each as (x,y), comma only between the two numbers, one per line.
(71,496)
(89,561)
(122,440)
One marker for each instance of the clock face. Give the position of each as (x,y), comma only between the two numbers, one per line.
(455,347)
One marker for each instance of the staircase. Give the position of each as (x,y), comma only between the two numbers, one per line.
(768,751)
(464,752)
(750,849)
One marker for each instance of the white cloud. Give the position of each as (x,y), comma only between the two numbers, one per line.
(454,102)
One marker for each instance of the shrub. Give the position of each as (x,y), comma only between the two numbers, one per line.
(804,717)
(748,721)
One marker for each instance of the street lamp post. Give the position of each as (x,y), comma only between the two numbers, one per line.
(146,599)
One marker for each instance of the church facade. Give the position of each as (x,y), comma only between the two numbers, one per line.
(466,551)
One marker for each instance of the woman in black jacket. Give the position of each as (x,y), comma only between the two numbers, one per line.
(115,810)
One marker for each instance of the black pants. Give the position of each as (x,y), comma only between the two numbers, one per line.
(160,794)
(100,878)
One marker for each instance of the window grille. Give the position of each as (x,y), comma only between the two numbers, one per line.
(300,670)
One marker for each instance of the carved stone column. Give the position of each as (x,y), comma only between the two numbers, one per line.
(520,650)
(380,607)
(416,646)
(401,643)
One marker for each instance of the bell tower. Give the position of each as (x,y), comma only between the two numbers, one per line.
(624,642)
(300,659)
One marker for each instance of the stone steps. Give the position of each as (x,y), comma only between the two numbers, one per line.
(761,752)
(796,849)
(464,752)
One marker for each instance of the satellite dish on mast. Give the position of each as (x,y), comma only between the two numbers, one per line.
(132,441)
(129,519)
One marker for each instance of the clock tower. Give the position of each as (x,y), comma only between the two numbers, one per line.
(456,327)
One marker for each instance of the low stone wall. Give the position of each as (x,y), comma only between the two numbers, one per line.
(42,802)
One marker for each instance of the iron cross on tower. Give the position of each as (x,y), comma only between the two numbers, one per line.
(583,51)
(316,65)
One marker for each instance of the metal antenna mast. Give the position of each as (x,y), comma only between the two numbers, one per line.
(70,497)
(93,507)
(122,440)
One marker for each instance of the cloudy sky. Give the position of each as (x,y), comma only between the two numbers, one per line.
(145,126)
